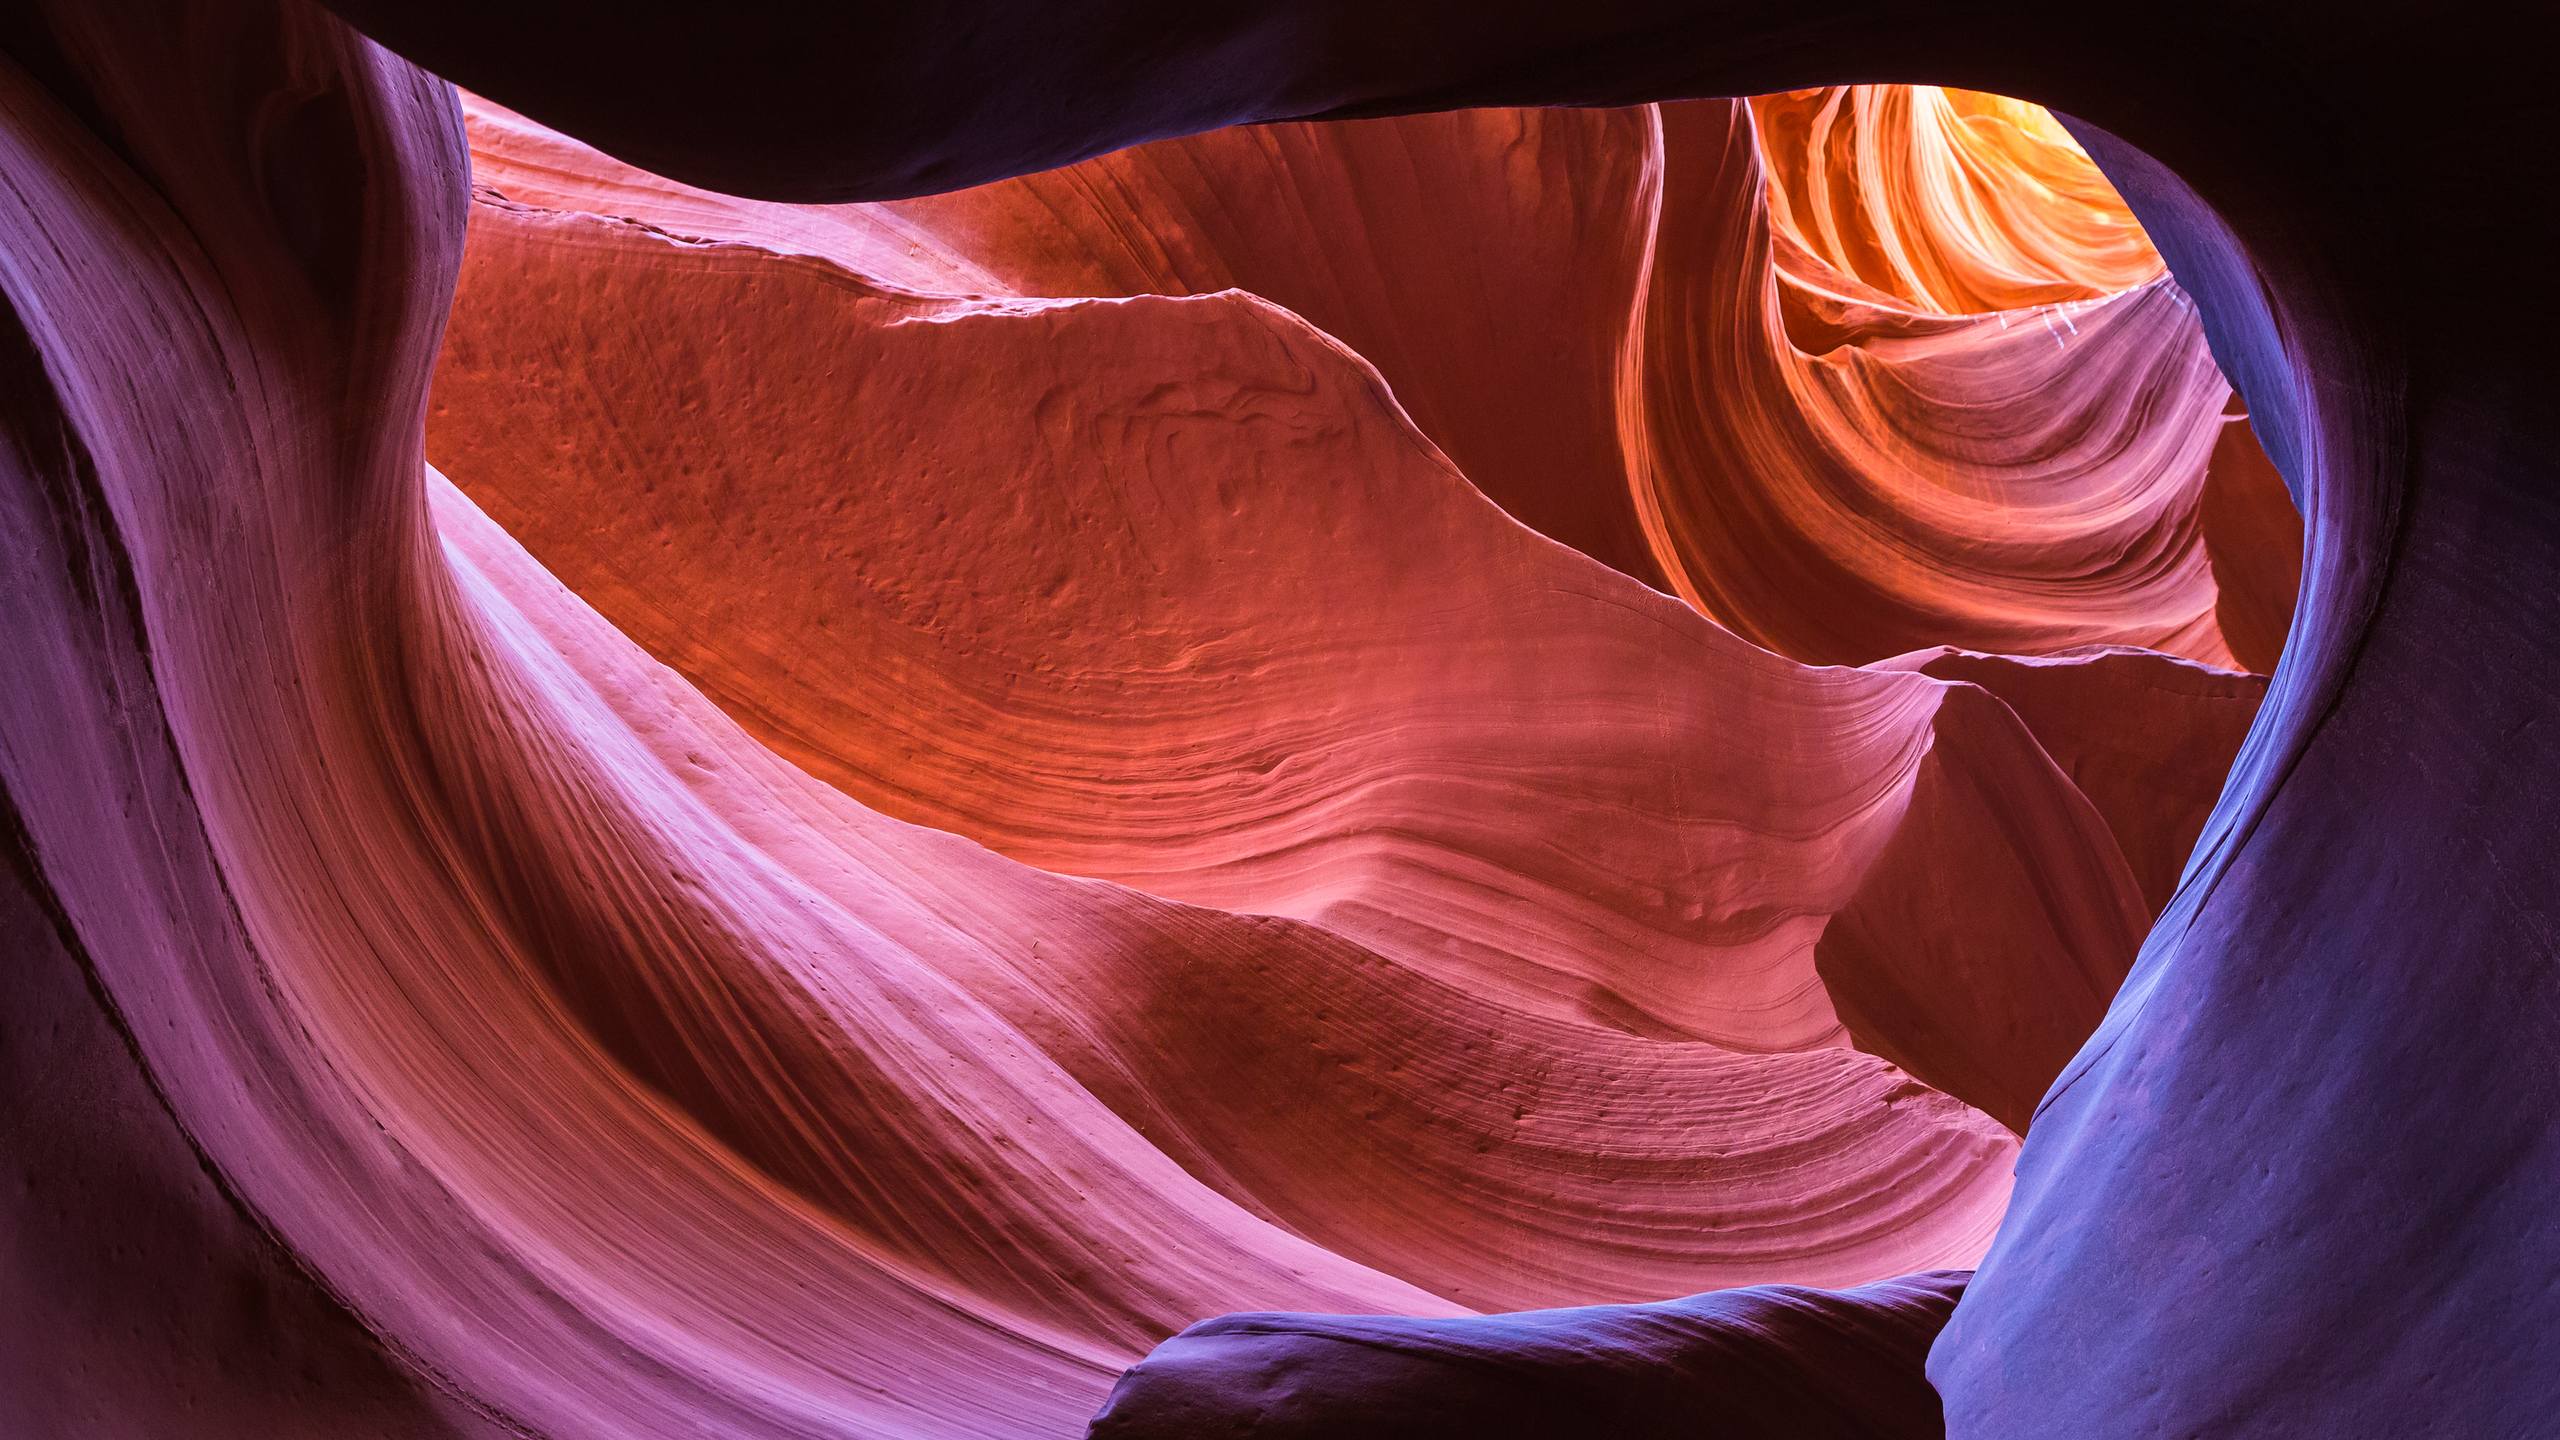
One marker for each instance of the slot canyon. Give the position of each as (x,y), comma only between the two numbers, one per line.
(1284,719)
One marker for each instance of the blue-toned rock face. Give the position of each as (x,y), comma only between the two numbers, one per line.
(1776,1361)
(633,807)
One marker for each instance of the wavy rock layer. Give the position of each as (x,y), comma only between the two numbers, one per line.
(484,952)
(1943,200)
(1293,666)
(2234,1214)
(1842,476)
(2194,1251)
(1129,831)
(1390,236)
(1864,478)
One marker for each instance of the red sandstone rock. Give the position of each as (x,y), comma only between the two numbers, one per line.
(602,1063)
(571,1044)
(1294,667)
(1882,478)
(1856,477)
(1944,201)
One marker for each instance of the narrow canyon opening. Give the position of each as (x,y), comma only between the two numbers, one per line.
(1667,658)
(1448,773)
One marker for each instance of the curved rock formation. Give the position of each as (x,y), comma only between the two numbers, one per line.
(1852,477)
(541,1039)
(1389,236)
(2189,1252)
(1764,1364)
(1944,201)
(1290,666)
(1868,478)
(483,951)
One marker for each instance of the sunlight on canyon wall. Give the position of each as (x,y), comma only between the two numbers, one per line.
(1419,716)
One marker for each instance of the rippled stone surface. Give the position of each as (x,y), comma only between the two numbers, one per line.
(1387,717)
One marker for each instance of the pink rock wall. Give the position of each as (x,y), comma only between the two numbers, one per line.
(1402,717)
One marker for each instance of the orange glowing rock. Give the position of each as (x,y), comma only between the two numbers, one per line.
(1842,477)
(1311,681)
(1944,201)
(954,786)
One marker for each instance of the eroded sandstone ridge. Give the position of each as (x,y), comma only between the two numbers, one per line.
(1363,717)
